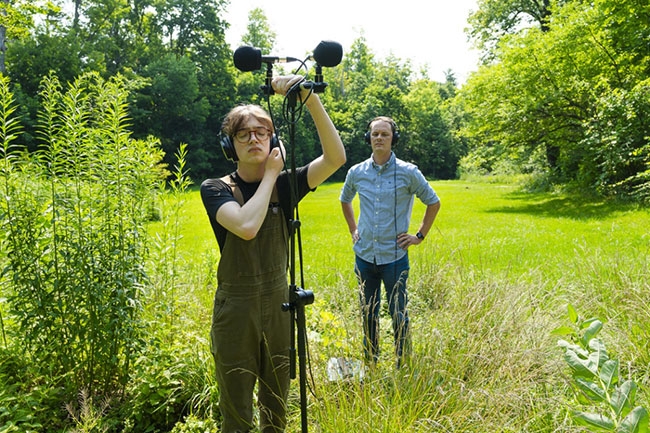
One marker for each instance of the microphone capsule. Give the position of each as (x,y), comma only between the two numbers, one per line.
(247,58)
(328,53)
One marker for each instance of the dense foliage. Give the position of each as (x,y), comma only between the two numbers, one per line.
(562,91)
(79,294)
(570,99)
(178,46)
(597,379)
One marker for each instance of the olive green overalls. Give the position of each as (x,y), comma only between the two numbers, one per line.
(250,332)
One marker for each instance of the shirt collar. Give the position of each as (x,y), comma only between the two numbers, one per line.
(382,168)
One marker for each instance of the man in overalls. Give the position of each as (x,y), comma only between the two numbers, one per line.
(249,211)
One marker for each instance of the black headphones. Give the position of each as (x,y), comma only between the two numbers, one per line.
(228,146)
(393,127)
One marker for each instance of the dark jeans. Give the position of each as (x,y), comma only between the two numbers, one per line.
(394,276)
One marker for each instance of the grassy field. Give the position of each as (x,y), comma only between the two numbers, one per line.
(487,287)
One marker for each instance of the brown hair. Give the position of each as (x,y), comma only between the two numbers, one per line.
(240,114)
(390,121)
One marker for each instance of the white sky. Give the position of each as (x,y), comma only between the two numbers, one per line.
(428,32)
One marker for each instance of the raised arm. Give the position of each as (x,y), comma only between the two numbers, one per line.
(333,156)
(245,221)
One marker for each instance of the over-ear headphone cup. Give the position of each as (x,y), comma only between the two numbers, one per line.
(228,148)
(367,137)
(275,142)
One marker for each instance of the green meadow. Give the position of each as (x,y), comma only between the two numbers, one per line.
(487,287)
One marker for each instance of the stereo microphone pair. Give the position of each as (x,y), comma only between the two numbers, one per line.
(327,54)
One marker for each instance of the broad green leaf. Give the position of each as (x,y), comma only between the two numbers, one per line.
(591,331)
(563,330)
(635,422)
(623,398)
(596,345)
(609,373)
(573,315)
(596,359)
(581,352)
(587,322)
(591,389)
(594,420)
(580,367)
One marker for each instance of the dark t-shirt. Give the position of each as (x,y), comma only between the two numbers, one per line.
(215,192)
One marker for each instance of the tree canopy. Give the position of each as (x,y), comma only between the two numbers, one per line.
(571,100)
(562,90)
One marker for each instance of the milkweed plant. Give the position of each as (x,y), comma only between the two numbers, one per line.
(609,399)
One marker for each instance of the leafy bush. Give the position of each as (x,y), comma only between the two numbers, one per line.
(171,379)
(74,235)
(192,424)
(29,401)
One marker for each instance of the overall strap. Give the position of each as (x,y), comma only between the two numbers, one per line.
(236,191)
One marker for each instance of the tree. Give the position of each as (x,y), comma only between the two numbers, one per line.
(258,32)
(430,141)
(171,106)
(106,35)
(362,88)
(127,36)
(217,85)
(572,93)
(496,18)
(31,59)
(259,35)
(16,21)
(450,86)
(185,23)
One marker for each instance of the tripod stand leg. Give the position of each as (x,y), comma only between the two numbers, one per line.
(298,299)
(302,358)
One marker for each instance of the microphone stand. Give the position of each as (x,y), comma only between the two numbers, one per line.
(298,297)
(267,88)
(248,59)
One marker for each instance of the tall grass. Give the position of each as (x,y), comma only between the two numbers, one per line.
(487,287)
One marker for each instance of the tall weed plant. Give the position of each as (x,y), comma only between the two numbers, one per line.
(73,238)
(607,402)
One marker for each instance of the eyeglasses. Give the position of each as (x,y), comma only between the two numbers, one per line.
(245,134)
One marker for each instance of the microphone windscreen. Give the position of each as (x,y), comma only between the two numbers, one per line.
(328,53)
(247,58)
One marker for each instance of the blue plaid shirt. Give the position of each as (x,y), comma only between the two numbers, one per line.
(386,195)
